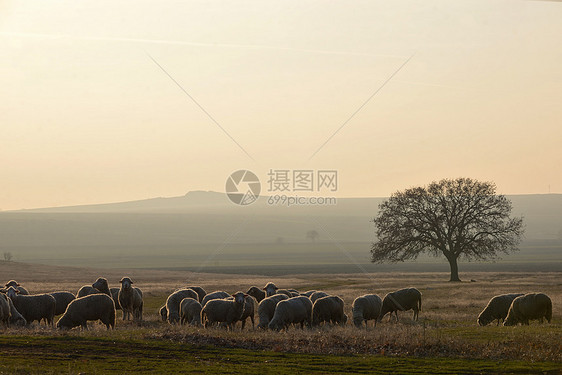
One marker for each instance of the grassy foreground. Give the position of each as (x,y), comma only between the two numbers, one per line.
(87,354)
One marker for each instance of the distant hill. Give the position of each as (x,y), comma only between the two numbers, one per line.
(205,228)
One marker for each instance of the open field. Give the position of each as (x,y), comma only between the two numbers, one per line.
(446,339)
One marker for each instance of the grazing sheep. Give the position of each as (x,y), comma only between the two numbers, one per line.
(5,314)
(294,310)
(163,311)
(99,286)
(328,309)
(402,300)
(190,311)
(316,295)
(92,307)
(308,293)
(249,310)
(255,292)
(365,308)
(17,285)
(130,300)
(529,307)
(173,303)
(219,294)
(33,307)
(16,318)
(62,300)
(201,293)
(223,310)
(115,296)
(496,308)
(266,309)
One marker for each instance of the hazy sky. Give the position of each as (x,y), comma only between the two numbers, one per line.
(86,116)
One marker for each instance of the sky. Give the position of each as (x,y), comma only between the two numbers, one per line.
(391,94)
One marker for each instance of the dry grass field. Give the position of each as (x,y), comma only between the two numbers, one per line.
(446,339)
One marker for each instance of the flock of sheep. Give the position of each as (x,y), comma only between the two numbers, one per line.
(276,308)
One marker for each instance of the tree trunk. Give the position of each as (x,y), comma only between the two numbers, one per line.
(454,268)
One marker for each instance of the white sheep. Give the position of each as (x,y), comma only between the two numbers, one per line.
(266,309)
(365,308)
(316,295)
(173,303)
(62,300)
(219,294)
(532,306)
(257,293)
(402,300)
(295,310)
(497,308)
(5,314)
(92,307)
(223,310)
(328,309)
(33,307)
(99,286)
(130,300)
(190,312)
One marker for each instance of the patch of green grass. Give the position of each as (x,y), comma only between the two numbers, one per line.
(73,354)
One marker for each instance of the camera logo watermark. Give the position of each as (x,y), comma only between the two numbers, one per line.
(243,187)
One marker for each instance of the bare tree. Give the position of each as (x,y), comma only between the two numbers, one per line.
(455,218)
(312,235)
(7,256)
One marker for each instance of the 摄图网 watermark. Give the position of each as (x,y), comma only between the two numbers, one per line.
(243,187)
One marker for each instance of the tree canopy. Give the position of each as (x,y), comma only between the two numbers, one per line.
(455,218)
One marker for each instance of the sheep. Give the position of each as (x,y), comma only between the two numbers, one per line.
(17,285)
(255,292)
(102,285)
(401,300)
(271,289)
(316,295)
(529,307)
(266,309)
(173,303)
(163,311)
(308,293)
(33,307)
(292,311)
(5,314)
(249,310)
(365,308)
(62,300)
(16,318)
(201,293)
(92,307)
(99,286)
(496,308)
(223,310)
(328,309)
(190,311)
(115,295)
(215,295)
(86,290)
(130,300)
